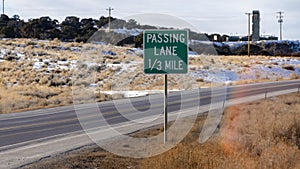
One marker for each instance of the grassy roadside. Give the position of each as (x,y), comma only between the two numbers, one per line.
(260,134)
(33,97)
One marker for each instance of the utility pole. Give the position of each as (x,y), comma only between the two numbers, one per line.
(249,17)
(280,21)
(3,6)
(109,15)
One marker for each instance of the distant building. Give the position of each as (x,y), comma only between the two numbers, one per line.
(254,37)
(255,26)
(225,38)
(268,37)
(244,38)
(234,38)
(215,37)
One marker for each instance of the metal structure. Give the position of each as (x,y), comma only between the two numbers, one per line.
(3,7)
(166,109)
(280,21)
(109,16)
(255,26)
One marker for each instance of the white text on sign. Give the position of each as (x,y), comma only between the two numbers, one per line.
(169,64)
(167,50)
(165,38)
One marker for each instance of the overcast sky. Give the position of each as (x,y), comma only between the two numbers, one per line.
(211,16)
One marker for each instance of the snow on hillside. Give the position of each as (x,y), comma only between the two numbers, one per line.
(46,58)
(232,45)
(265,68)
(132,32)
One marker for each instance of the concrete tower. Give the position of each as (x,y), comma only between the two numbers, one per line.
(255,26)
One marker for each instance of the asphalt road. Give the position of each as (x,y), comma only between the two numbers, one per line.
(29,126)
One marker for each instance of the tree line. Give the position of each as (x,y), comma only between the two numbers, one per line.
(70,29)
(73,28)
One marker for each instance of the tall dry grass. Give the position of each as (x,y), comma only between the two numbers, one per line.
(259,135)
(264,132)
(19,98)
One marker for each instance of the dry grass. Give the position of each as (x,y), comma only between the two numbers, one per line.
(24,87)
(20,76)
(21,98)
(258,135)
(266,134)
(244,63)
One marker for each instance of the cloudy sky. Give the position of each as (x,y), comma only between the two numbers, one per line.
(211,16)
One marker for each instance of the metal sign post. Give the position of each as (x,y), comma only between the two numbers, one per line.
(165,52)
(166,110)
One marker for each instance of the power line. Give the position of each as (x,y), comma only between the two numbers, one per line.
(280,21)
(109,15)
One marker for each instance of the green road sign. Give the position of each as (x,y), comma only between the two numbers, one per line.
(165,51)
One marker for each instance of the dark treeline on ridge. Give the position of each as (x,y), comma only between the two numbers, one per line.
(71,29)
(74,29)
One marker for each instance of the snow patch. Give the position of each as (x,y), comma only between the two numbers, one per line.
(132,32)
(38,65)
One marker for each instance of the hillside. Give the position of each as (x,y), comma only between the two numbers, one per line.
(42,73)
(266,48)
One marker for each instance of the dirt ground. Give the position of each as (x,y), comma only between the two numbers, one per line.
(260,134)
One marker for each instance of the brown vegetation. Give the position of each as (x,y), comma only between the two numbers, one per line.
(47,68)
(20,98)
